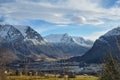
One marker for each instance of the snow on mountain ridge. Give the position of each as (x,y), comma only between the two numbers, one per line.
(22,29)
(115,31)
(58,38)
(54,38)
(5,28)
(16,32)
(32,43)
(9,32)
(3,31)
(65,38)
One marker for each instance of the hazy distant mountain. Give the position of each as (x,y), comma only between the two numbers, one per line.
(67,39)
(23,41)
(106,44)
(69,45)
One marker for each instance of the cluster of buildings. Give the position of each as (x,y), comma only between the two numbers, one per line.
(58,67)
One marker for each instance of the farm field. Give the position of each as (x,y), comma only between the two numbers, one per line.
(48,78)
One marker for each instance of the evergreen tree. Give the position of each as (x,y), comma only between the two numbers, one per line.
(110,69)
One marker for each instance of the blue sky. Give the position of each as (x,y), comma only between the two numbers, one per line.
(87,18)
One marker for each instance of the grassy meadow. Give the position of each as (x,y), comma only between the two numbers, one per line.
(48,78)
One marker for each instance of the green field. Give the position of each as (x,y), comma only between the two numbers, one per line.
(47,78)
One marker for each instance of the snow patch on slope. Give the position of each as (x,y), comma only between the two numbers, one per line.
(22,29)
(115,31)
(4,31)
(54,38)
(65,38)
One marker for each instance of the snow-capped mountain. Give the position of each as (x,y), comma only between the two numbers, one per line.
(83,42)
(59,38)
(23,33)
(106,44)
(9,33)
(23,41)
(67,39)
(20,40)
(53,38)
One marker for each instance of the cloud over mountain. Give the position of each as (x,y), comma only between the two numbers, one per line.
(61,13)
(56,11)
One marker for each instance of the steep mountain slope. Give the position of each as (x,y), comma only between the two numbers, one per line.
(106,44)
(23,41)
(71,46)
(20,43)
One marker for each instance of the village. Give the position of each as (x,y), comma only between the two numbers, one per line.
(53,69)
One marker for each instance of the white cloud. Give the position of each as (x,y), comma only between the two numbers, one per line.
(42,10)
(48,28)
(95,22)
(60,12)
(55,11)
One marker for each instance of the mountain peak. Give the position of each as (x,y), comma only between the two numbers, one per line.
(66,38)
(102,47)
(66,34)
(25,41)
(18,32)
(22,29)
(115,31)
(9,33)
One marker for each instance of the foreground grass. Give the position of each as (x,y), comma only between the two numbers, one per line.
(47,78)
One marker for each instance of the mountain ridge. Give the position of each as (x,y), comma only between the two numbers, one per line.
(27,42)
(106,44)
(66,38)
